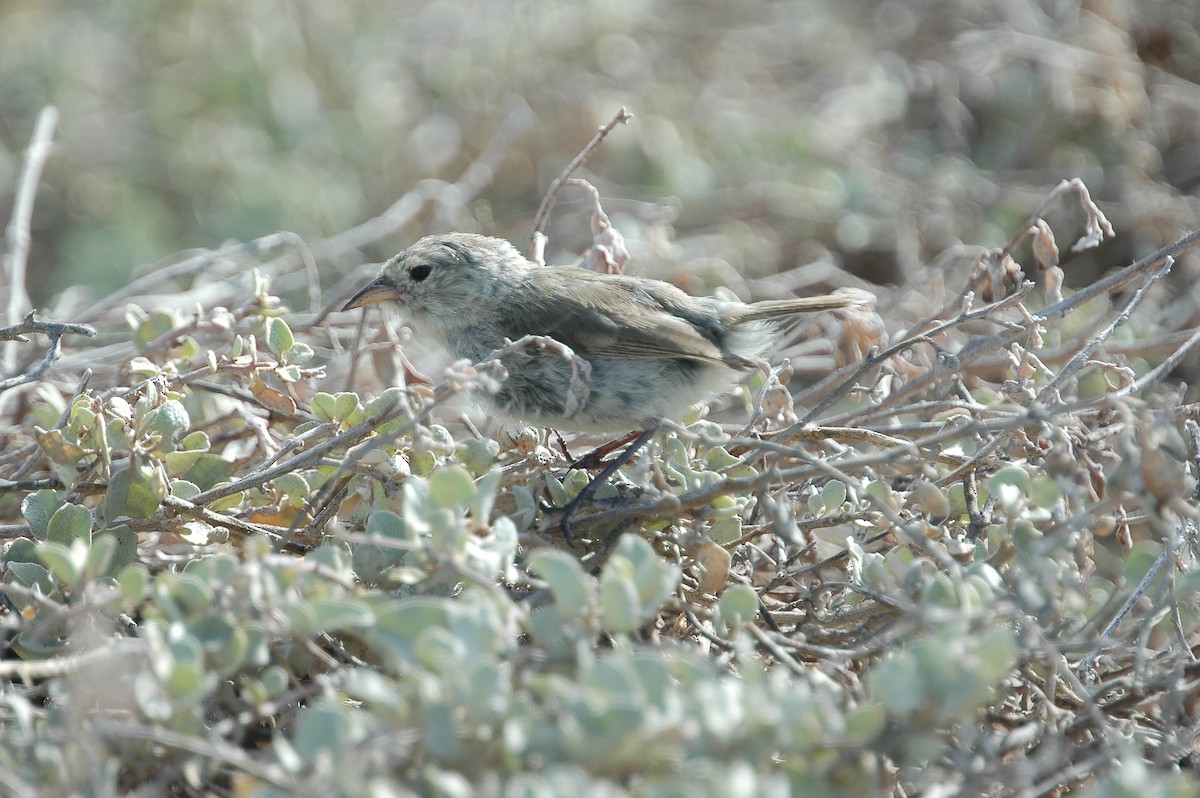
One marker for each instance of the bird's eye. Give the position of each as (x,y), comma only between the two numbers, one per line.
(419,273)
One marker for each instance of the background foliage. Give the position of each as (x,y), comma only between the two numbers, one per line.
(239,559)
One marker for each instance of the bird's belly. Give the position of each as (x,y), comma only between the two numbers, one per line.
(617,396)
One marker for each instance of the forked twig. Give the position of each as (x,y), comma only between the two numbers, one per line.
(533,249)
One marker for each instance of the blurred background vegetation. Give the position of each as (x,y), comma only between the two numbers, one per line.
(767,134)
(879,142)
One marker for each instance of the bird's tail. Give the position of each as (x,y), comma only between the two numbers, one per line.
(775,309)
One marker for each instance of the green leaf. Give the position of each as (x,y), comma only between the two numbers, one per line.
(1009,475)
(422,463)
(568,582)
(209,470)
(451,487)
(187,682)
(292,484)
(439,651)
(416,506)
(390,398)
(323,406)
(996,651)
(100,555)
(18,550)
(298,354)
(941,591)
(227,502)
(135,492)
(182,489)
(833,494)
(375,563)
(38,507)
(288,373)
(320,732)
(32,645)
(279,335)
(894,682)
(154,325)
(124,552)
(133,581)
(65,562)
(33,575)
(179,463)
(863,724)
(69,524)
(738,605)
(634,583)
(726,530)
(619,600)
(386,524)
(188,592)
(195,441)
(478,455)
(655,577)
(331,615)
(143,367)
(213,568)
(443,440)
(171,421)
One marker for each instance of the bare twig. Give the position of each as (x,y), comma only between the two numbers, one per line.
(1156,374)
(1085,353)
(17,235)
(54,331)
(1121,278)
(540,219)
(219,751)
(1096,229)
(924,336)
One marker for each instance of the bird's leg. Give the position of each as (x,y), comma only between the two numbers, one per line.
(595,458)
(589,490)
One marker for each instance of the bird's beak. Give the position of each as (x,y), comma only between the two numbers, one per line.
(381,289)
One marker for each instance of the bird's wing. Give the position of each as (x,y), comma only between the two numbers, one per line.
(604,316)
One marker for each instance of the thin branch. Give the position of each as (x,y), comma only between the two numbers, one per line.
(542,217)
(1120,278)
(924,336)
(1091,346)
(1156,374)
(55,331)
(218,751)
(17,256)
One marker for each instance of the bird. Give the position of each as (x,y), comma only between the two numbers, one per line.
(653,350)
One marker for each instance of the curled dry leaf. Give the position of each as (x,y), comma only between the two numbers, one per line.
(1025,363)
(1163,458)
(777,404)
(280,516)
(997,274)
(271,399)
(712,561)
(1045,249)
(1098,227)
(1045,253)
(862,328)
(1054,284)
(608,253)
